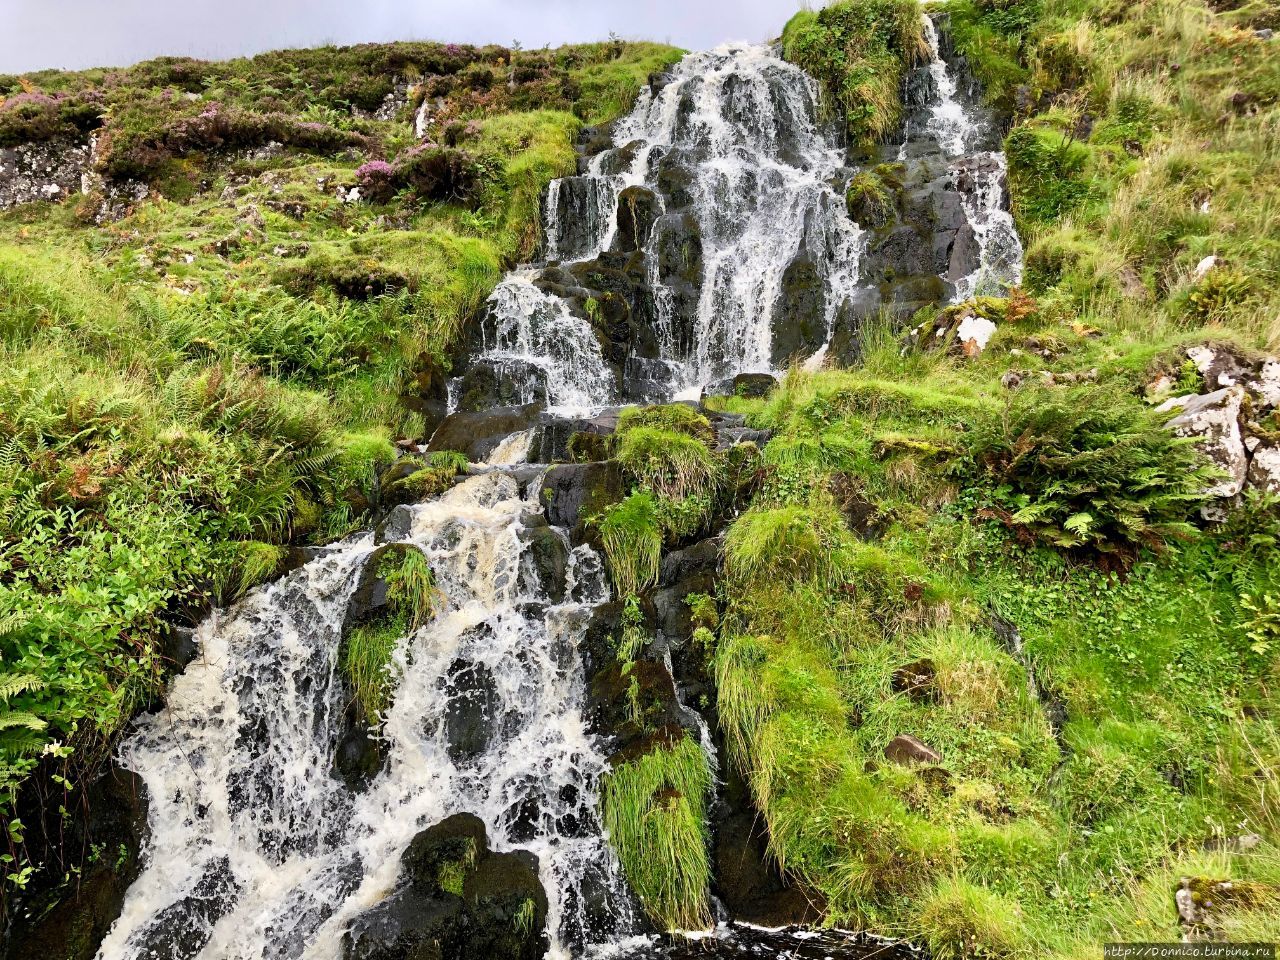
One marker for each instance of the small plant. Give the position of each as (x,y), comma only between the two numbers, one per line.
(411,586)
(366,662)
(524,918)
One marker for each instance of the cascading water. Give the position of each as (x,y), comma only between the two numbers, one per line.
(980,177)
(257,851)
(743,126)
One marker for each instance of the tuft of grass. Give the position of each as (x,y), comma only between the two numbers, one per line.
(411,586)
(654,809)
(632,535)
(670,463)
(959,919)
(367,665)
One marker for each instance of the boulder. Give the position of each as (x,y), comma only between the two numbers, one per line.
(1213,420)
(907,751)
(457,901)
(1264,468)
(478,433)
(574,492)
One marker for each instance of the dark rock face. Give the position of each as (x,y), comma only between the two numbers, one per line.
(46,920)
(917,680)
(458,901)
(478,433)
(544,563)
(428,393)
(471,717)
(574,492)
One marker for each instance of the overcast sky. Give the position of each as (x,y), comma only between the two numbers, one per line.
(85,33)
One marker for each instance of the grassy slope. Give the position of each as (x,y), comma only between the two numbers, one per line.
(185,392)
(1018,844)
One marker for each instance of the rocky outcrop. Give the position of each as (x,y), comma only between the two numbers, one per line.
(457,900)
(1236,421)
(52,170)
(66,909)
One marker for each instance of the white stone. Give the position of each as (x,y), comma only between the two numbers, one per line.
(1267,386)
(1213,419)
(978,329)
(1204,266)
(1264,468)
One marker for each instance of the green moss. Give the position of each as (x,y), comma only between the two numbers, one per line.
(654,809)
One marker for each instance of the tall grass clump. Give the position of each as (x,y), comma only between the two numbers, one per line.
(859,51)
(786,544)
(655,810)
(632,536)
(367,666)
(670,463)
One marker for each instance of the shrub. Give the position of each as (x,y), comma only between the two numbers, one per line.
(439,173)
(377,181)
(655,811)
(1048,174)
(1088,467)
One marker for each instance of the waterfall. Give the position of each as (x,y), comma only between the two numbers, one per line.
(731,183)
(257,851)
(742,125)
(980,177)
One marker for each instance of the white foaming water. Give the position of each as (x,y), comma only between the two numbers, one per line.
(537,338)
(980,178)
(744,123)
(258,851)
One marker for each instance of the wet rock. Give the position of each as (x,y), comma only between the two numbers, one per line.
(573,493)
(457,901)
(747,879)
(45,920)
(179,647)
(907,750)
(369,603)
(509,383)
(359,755)
(544,562)
(750,385)
(638,207)
(471,717)
(427,393)
(800,321)
(183,928)
(478,433)
(1213,420)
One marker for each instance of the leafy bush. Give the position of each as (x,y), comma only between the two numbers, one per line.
(1088,467)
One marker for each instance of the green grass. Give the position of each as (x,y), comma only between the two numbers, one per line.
(655,811)
(632,535)
(859,50)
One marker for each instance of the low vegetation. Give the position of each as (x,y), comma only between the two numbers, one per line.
(859,50)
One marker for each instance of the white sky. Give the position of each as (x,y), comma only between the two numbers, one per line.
(84,33)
